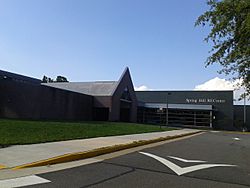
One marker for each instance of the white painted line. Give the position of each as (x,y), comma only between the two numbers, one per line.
(186,161)
(22,181)
(236,138)
(179,170)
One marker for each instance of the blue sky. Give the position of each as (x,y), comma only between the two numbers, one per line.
(88,40)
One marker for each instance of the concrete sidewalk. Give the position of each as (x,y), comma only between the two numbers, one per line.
(23,154)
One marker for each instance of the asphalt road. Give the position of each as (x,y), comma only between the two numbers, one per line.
(141,170)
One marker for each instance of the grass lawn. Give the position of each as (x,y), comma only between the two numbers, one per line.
(28,132)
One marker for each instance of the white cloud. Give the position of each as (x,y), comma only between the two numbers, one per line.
(142,88)
(217,84)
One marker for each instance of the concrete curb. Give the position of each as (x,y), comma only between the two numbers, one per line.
(99,151)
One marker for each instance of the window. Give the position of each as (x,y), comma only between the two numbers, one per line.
(126,95)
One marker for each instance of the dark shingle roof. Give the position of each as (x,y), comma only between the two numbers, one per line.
(18,77)
(99,88)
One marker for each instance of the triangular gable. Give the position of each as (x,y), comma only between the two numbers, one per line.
(124,82)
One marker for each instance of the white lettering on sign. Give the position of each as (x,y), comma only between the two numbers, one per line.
(205,100)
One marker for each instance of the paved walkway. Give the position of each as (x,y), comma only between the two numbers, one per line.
(23,154)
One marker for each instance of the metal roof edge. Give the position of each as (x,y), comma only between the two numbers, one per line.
(120,79)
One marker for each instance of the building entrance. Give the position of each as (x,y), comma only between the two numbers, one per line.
(186,117)
(125,110)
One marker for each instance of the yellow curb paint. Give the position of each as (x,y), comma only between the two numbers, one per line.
(235,132)
(2,167)
(96,152)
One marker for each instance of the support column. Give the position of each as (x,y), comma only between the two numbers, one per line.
(143,115)
(195,118)
(211,119)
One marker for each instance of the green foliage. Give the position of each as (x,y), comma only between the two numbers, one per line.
(58,79)
(28,132)
(229,21)
(47,79)
(61,79)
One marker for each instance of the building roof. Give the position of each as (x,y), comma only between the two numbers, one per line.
(18,77)
(99,88)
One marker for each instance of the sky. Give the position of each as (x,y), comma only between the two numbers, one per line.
(88,40)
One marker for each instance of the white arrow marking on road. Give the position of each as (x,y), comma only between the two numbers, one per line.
(22,181)
(236,138)
(187,161)
(179,170)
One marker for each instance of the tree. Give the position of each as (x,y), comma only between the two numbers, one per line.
(229,21)
(61,79)
(50,80)
(47,79)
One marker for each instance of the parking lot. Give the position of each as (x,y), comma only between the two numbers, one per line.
(212,159)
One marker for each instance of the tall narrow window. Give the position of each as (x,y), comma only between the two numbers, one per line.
(126,95)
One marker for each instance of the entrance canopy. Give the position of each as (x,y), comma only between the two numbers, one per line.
(178,106)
